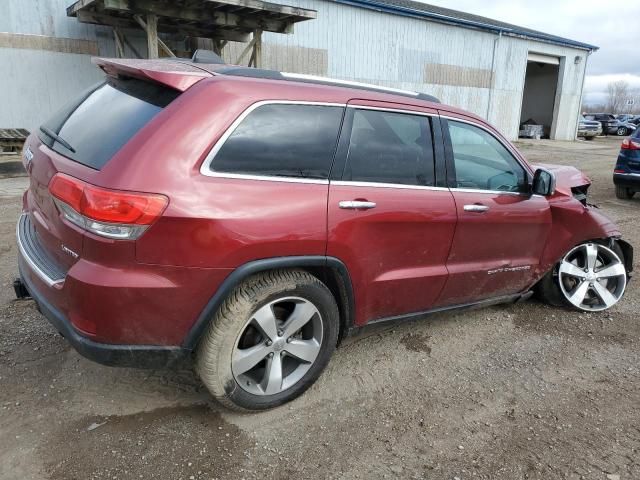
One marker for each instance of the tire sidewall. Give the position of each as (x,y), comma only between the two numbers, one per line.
(322,299)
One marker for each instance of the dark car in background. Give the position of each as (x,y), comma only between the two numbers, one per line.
(626,175)
(625,117)
(610,124)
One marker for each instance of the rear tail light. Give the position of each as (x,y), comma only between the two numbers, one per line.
(628,144)
(108,213)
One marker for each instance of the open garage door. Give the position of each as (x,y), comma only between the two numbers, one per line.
(539,96)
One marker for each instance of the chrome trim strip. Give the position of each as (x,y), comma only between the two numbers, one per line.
(627,174)
(206,167)
(43,276)
(266,178)
(392,110)
(509,147)
(490,192)
(316,78)
(348,183)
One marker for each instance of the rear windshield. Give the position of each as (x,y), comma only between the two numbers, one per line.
(104,118)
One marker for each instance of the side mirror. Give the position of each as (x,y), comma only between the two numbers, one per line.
(544,183)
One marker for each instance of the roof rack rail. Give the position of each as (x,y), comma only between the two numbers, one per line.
(241,71)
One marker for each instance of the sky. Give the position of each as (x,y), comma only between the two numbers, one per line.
(614,27)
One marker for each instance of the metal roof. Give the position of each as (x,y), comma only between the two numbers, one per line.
(414,9)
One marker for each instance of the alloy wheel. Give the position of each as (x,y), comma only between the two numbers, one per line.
(277,346)
(592,277)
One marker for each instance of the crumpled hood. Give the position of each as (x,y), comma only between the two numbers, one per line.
(566,177)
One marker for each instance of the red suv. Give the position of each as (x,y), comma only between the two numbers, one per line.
(251,219)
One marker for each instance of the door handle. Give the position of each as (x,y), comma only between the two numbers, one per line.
(476,208)
(356,205)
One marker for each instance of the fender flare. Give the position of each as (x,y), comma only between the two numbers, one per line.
(251,268)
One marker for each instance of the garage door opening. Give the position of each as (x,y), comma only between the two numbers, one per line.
(539,96)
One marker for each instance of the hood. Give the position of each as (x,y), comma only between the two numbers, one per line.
(567,178)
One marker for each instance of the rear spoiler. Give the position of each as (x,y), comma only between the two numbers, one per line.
(172,73)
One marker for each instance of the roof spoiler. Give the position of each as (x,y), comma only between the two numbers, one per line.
(174,74)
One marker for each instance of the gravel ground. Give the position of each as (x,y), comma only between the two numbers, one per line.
(512,392)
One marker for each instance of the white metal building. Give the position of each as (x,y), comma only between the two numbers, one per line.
(502,72)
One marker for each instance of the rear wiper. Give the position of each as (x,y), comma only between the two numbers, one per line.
(57,138)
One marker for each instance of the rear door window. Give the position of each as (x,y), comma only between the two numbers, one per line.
(104,118)
(389,147)
(282,140)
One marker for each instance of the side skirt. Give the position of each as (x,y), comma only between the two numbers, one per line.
(520,297)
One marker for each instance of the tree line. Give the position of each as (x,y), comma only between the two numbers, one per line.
(621,98)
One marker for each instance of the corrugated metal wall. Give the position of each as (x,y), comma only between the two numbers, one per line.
(452,63)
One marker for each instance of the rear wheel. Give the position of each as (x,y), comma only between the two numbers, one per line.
(591,277)
(621,131)
(269,341)
(624,193)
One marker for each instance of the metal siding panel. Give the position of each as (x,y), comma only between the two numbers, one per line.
(355,44)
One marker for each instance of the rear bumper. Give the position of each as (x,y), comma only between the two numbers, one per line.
(629,180)
(139,356)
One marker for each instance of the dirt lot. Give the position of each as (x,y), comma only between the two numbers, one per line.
(510,392)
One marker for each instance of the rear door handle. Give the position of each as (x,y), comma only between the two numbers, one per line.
(356,205)
(476,208)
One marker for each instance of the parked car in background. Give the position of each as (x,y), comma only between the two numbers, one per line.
(610,124)
(626,175)
(249,219)
(629,127)
(588,129)
(625,117)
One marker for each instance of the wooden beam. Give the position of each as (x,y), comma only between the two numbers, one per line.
(204,17)
(131,47)
(257,49)
(190,30)
(152,32)
(268,7)
(119,43)
(246,50)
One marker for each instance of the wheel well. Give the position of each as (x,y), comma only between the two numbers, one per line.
(336,284)
(329,270)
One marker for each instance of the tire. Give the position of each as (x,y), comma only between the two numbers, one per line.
(235,325)
(624,193)
(550,291)
(621,131)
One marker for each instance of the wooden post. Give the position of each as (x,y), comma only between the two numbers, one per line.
(119,43)
(152,35)
(245,51)
(257,49)
(158,42)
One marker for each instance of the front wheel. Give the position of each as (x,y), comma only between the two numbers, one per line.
(269,341)
(591,277)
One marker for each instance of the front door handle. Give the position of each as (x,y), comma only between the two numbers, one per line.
(356,205)
(476,208)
